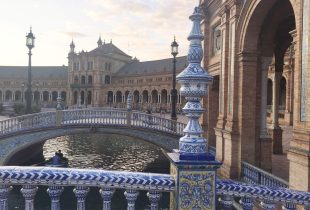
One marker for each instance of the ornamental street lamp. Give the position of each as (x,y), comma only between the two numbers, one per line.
(174,52)
(30,44)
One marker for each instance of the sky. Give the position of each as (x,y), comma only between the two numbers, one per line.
(141,28)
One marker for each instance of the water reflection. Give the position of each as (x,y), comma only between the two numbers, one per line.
(108,151)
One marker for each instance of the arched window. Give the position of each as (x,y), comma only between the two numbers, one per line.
(63,95)
(107,79)
(164,94)
(76,80)
(54,96)
(45,96)
(118,97)
(136,96)
(8,95)
(83,80)
(110,97)
(90,79)
(154,97)
(145,95)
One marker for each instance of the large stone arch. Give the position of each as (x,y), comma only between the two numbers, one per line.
(14,145)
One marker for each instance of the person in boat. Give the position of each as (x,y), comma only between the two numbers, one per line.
(56,159)
(59,154)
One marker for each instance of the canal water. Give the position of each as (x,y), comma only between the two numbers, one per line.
(101,151)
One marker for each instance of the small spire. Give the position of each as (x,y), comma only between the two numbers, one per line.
(99,41)
(72,46)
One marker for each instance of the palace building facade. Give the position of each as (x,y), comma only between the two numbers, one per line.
(258,107)
(101,77)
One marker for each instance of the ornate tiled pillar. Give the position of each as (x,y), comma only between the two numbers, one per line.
(29,192)
(193,168)
(80,194)
(107,194)
(55,192)
(4,193)
(131,196)
(154,197)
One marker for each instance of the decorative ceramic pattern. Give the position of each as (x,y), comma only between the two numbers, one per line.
(196,190)
(304,62)
(90,177)
(194,82)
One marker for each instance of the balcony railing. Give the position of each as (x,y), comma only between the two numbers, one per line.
(254,175)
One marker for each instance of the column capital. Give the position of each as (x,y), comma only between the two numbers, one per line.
(29,191)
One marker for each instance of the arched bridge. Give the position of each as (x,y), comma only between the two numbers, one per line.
(20,132)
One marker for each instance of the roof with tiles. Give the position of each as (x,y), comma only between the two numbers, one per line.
(38,72)
(152,67)
(109,48)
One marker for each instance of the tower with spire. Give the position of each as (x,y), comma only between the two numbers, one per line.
(99,42)
(72,47)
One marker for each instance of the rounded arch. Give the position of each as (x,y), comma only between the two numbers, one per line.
(118,97)
(8,95)
(110,97)
(54,96)
(75,97)
(18,95)
(136,96)
(76,80)
(45,96)
(63,95)
(251,21)
(36,96)
(83,80)
(89,97)
(164,95)
(154,96)
(90,79)
(82,97)
(145,96)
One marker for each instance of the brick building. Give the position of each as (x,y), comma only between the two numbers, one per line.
(257,51)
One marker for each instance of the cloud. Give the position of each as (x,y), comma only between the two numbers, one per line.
(74,34)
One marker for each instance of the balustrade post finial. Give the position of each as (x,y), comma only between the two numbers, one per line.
(131,196)
(107,194)
(227,202)
(194,82)
(154,197)
(192,166)
(55,192)
(80,194)
(4,193)
(29,192)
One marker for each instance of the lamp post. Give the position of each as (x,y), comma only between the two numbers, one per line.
(174,52)
(30,44)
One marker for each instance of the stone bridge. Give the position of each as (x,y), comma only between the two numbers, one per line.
(22,132)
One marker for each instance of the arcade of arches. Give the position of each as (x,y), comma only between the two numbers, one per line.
(257,50)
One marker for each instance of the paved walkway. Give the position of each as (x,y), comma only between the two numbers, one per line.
(280,163)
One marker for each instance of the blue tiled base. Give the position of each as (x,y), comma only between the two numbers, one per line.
(201,157)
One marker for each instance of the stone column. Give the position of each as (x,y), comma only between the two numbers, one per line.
(265,139)
(192,166)
(154,197)
(220,155)
(276,131)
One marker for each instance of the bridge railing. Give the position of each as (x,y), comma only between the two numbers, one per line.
(140,119)
(94,117)
(27,122)
(132,182)
(254,175)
